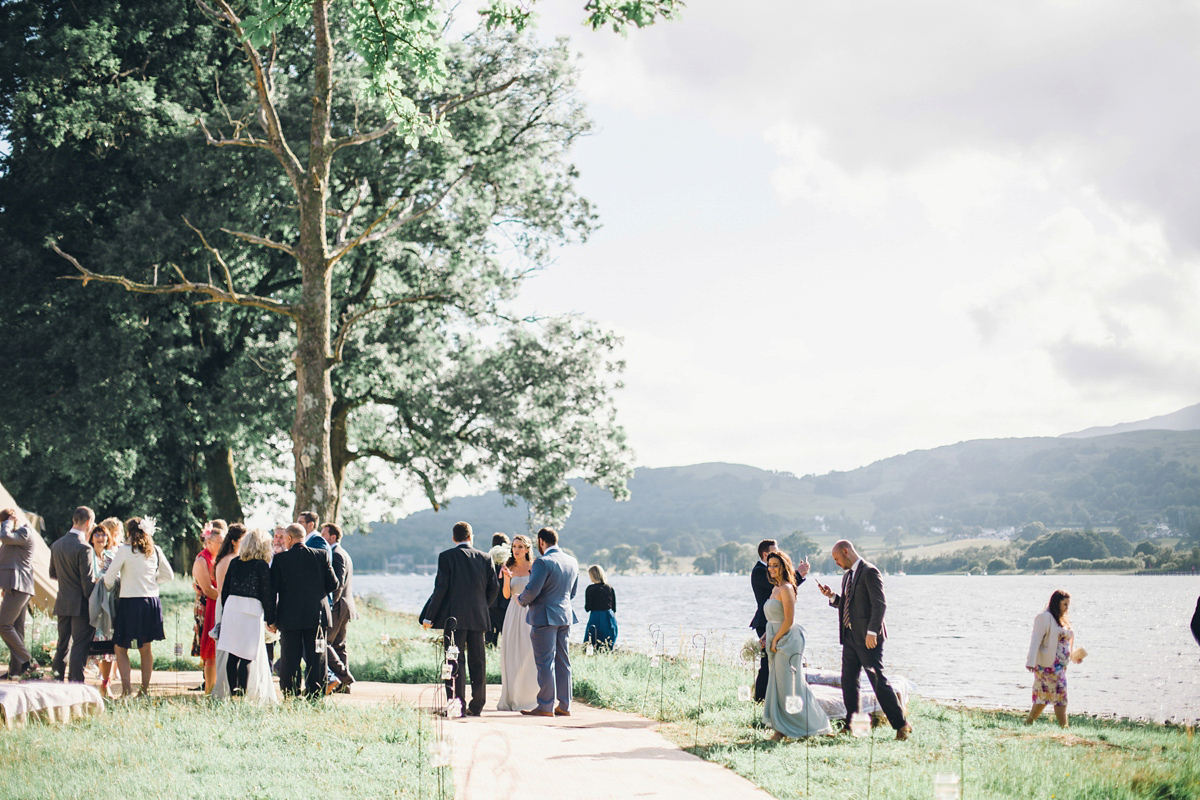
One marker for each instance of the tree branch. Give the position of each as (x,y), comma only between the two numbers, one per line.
(371,235)
(265,242)
(277,144)
(215,293)
(353,319)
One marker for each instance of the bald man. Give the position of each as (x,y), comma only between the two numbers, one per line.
(861,631)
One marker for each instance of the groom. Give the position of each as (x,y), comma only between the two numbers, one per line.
(548,594)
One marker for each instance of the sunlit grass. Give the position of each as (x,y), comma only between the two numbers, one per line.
(184,747)
(998,756)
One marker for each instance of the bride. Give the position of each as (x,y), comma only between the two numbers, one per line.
(518,674)
(246,599)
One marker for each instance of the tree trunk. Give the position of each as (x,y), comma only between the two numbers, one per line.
(222,483)
(315,487)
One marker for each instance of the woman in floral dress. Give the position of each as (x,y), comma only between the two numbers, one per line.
(1050,649)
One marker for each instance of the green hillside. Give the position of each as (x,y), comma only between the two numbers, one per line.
(1134,481)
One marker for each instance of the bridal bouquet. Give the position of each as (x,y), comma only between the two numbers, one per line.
(500,554)
(752,649)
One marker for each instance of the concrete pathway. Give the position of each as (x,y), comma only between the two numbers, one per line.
(594,753)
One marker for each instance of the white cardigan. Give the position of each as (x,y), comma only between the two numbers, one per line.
(139,574)
(1043,645)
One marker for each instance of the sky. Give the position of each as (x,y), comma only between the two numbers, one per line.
(835,232)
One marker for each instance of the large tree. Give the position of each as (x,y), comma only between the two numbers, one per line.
(367,236)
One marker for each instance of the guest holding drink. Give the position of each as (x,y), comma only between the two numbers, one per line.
(600,600)
(204,581)
(140,566)
(518,672)
(1050,648)
(785,655)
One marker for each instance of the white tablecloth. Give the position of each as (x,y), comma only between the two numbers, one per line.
(54,702)
(826,687)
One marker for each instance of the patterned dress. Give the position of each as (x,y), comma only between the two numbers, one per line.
(1050,683)
(203,645)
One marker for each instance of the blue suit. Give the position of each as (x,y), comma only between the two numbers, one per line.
(552,584)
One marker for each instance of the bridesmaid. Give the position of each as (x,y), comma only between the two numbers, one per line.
(785,652)
(518,673)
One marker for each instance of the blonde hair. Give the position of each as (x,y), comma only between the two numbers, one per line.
(596,573)
(116,531)
(256,545)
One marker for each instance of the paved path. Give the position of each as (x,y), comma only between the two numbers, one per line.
(594,753)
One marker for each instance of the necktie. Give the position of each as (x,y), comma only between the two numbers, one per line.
(847,582)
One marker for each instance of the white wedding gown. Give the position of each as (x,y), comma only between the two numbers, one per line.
(242,633)
(518,674)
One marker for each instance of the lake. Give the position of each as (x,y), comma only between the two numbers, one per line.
(957,637)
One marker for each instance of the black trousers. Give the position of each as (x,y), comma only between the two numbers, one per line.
(471,647)
(335,651)
(294,644)
(79,633)
(760,683)
(856,657)
(237,672)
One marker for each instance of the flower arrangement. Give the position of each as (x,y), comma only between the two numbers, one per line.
(149,526)
(752,649)
(500,554)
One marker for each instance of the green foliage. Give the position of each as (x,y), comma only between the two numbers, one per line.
(798,546)
(1085,545)
(652,554)
(1039,563)
(1000,565)
(130,400)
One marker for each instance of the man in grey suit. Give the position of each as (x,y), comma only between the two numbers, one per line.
(552,584)
(71,564)
(342,609)
(16,580)
(861,607)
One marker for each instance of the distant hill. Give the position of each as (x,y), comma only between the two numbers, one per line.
(956,491)
(1185,419)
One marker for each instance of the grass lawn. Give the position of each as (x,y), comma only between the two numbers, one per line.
(184,747)
(999,756)
(379,752)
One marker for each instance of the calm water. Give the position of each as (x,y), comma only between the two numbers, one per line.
(955,637)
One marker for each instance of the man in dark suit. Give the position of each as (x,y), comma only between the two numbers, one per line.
(464,588)
(301,579)
(762,586)
(343,609)
(71,564)
(861,631)
(499,606)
